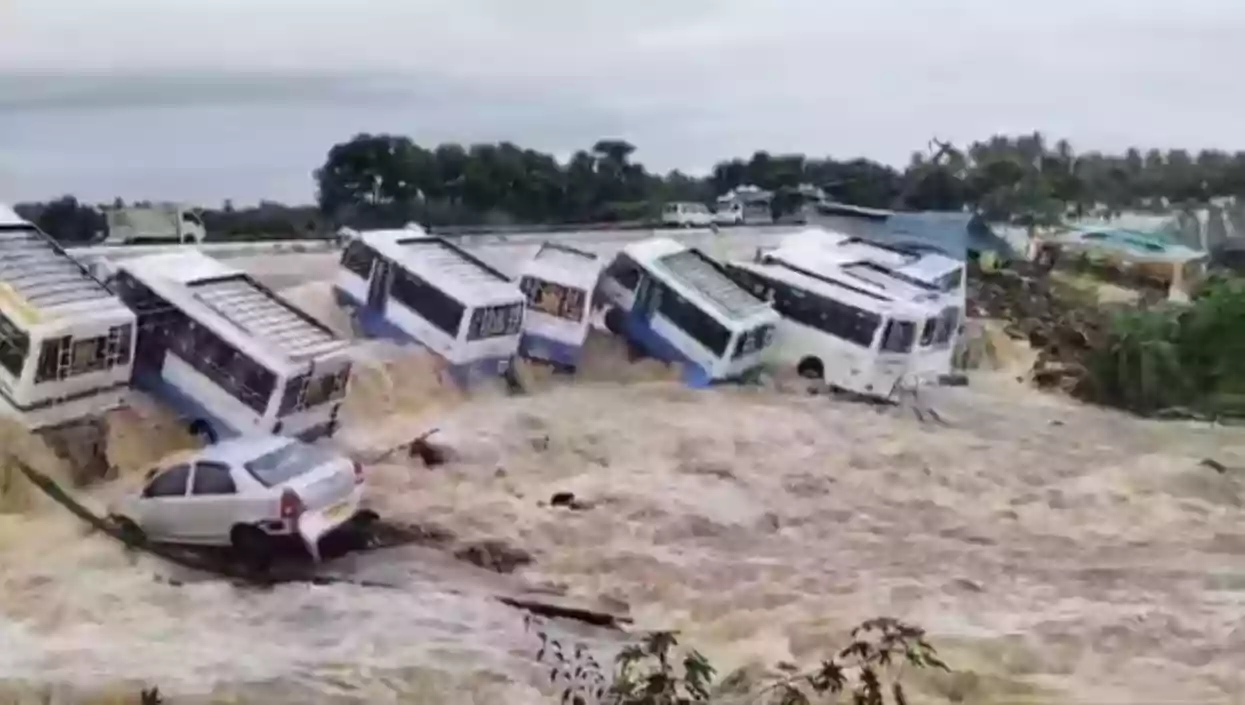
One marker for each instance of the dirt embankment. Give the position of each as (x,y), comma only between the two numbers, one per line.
(1062,325)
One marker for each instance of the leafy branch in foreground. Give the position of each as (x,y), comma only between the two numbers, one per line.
(654,671)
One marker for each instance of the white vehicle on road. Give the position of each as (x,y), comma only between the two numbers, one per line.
(249,493)
(686,215)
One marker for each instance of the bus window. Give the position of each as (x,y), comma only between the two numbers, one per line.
(625,272)
(358,258)
(950,320)
(928,332)
(898,336)
(14,346)
(554,299)
(427,301)
(692,320)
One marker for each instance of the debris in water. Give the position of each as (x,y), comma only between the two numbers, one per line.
(1214,465)
(494,555)
(568,500)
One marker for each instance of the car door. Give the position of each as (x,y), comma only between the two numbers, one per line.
(163,500)
(212,508)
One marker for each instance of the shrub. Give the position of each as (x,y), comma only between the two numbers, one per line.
(1172,357)
(655,671)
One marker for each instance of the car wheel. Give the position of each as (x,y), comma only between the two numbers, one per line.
(252,546)
(363,529)
(128,531)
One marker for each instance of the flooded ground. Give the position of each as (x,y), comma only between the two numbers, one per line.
(1057,553)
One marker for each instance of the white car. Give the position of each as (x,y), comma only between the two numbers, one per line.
(248,493)
(732,214)
(686,215)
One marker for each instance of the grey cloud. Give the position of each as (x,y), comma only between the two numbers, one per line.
(688,81)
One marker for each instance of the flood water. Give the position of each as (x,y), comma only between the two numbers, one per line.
(1056,553)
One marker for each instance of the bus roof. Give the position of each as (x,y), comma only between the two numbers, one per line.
(565,265)
(699,273)
(445,265)
(779,268)
(263,321)
(38,276)
(905,267)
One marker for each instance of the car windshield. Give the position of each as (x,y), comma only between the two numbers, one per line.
(286,463)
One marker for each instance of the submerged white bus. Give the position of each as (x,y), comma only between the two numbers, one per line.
(66,341)
(227,353)
(409,286)
(853,337)
(559,283)
(679,305)
(927,276)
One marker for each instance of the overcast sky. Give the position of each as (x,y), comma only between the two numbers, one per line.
(688,81)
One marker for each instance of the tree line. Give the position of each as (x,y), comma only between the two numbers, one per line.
(383,179)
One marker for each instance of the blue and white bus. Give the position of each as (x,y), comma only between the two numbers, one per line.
(409,286)
(227,353)
(925,276)
(66,341)
(679,305)
(559,283)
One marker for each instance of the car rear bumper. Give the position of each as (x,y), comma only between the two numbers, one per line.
(316,524)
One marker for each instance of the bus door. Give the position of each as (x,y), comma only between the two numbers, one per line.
(378,285)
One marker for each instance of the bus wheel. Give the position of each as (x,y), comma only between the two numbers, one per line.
(615,321)
(811,368)
(203,431)
(252,546)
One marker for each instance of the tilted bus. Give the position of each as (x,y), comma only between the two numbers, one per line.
(677,304)
(409,286)
(230,355)
(853,336)
(66,341)
(559,283)
(925,275)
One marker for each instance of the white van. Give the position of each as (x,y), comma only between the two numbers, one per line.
(686,215)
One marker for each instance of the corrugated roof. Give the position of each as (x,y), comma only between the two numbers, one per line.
(41,272)
(953,233)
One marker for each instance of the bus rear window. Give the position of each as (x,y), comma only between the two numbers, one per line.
(495,321)
(554,299)
(303,393)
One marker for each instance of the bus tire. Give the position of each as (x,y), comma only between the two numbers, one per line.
(203,431)
(615,321)
(811,368)
(252,546)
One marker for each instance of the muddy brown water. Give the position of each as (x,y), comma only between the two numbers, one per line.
(1057,553)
